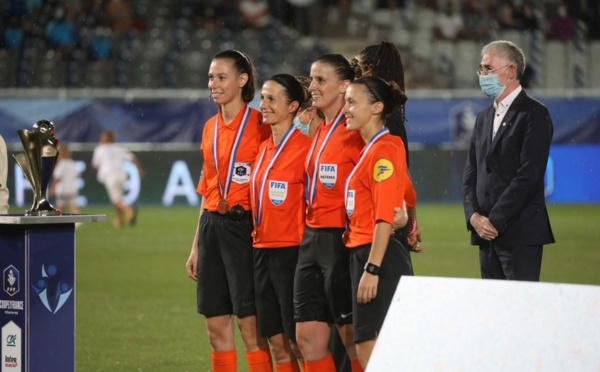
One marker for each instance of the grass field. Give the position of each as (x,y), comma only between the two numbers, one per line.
(136,306)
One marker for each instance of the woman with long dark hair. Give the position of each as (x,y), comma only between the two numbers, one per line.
(278,210)
(221,258)
(322,293)
(379,180)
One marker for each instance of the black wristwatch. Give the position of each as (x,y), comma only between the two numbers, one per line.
(372,269)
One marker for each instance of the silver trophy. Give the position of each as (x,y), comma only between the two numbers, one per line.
(37,163)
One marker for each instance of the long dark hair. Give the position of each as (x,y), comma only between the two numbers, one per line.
(243,65)
(342,67)
(388,93)
(294,90)
(384,61)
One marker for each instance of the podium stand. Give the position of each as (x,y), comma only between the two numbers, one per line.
(37,300)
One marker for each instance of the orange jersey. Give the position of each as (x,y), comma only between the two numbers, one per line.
(335,163)
(243,165)
(378,184)
(282,204)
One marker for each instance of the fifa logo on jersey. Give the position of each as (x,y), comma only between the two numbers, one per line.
(277,192)
(328,174)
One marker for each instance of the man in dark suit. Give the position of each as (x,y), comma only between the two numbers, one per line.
(503,181)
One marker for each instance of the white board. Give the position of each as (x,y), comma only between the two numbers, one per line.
(451,324)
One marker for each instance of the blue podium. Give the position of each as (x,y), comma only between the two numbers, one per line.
(37,300)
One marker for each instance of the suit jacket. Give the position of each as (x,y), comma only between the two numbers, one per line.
(504,177)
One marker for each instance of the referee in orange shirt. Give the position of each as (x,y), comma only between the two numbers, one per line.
(384,61)
(221,258)
(378,181)
(322,293)
(278,209)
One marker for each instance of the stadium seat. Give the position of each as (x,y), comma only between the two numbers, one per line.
(555,63)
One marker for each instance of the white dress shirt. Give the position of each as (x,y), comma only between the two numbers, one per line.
(502,107)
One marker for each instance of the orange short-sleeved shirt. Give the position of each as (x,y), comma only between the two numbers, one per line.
(378,184)
(239,189)
(337,160)
(282,204)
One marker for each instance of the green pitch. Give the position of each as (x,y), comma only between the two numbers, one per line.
(136,306)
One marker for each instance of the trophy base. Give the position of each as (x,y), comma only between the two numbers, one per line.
(42,213)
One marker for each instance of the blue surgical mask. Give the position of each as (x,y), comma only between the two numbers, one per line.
(302,127)
(490,85)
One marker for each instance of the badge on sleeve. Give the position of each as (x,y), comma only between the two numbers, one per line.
(241,173)
(382,170)
(277,192)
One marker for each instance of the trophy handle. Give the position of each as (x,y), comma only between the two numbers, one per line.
(32,153)
(24,165)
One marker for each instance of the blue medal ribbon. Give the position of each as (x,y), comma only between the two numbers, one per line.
(224,190)
(311,182)
(258,200)
(375,138)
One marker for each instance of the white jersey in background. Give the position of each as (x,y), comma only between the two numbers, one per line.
(108,159)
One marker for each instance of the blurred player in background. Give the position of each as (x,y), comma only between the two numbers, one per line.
(64,186)
(108,159)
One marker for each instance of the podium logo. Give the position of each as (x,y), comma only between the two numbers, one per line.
(462,121)
(51,289)
(11,347)
(10,280)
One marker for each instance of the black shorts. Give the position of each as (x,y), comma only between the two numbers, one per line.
(274,284)
(322,289)
(368,318)
(225,265)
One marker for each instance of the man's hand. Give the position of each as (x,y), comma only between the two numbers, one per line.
(483,227)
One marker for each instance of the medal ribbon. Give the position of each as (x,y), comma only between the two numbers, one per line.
(258,201)
(224,190)
(375,138)
(311,182)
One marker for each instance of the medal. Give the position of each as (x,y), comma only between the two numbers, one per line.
(309,213)
(222,206)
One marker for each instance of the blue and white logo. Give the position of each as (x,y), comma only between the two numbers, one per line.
(328,174)
(241,173)
(51,289)
(11,280)
(277,192)
(462,120)
(350,202)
